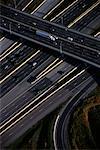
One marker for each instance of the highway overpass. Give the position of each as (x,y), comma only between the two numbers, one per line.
(55,37)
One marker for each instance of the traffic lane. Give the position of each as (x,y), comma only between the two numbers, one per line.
(17,75)
(43,9)
(58,29)
(22,4)
(94,24)
(15,59)
(24,85)
(82,54)
(75,49)
(26,32)
(6,43)
(78,7)
(23,101)
(62,115)
(14,132)
(87,19)
(22,72)
(73,12)
(60,71)
(31,94)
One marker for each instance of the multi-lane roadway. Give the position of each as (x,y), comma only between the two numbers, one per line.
(39,110)
(62,40)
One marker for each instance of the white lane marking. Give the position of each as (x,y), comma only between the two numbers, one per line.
(10,134)
(83,14)
(67,74)
(38,7)
(10,49)
(2,39)
(53,9)
(47,71)
(47,67)
(22,94)
(97,34)
(40,110)
(27,5)
(54,132)
(6,114)
(31,117)
(64,10)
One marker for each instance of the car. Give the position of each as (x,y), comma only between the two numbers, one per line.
(70,38)
(34,64)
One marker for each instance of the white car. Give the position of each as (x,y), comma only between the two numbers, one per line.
(53,38)
(70,38)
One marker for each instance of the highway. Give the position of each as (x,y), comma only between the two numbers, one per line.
(3,57)
(70,48)
(21,125)
(10,54)
(3,101)
(5,66)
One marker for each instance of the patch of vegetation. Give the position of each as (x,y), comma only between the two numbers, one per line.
(94,121)
(85,123)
